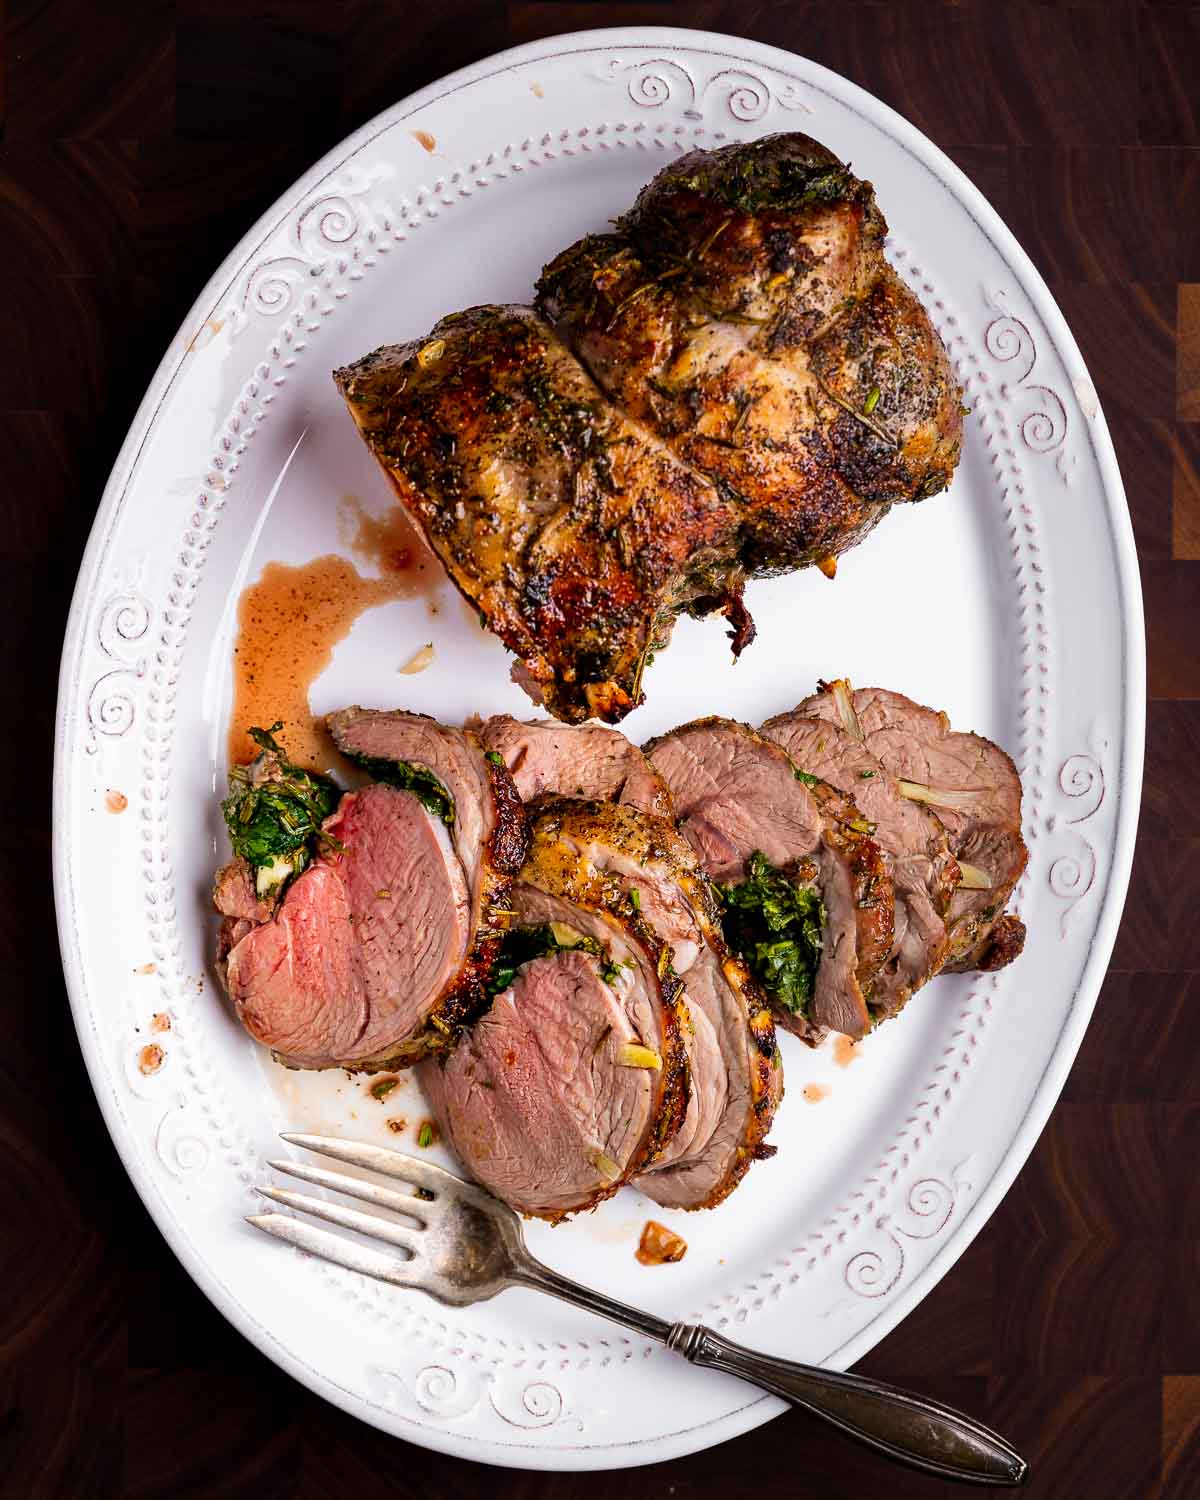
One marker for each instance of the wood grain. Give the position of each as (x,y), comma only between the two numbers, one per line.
(1180,1437)
(1185,492)
(1187,346)
(138,143)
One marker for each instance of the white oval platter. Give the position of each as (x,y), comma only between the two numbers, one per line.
(1012,602)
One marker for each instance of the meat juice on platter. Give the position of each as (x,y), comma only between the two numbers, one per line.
(291,618)
(581,947)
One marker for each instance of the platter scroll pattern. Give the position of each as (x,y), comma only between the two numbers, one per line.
(447,1394)
(123,623)
(747,95)
(1083,781)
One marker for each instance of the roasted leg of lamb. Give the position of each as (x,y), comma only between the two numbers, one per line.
(745,313)
(733,383)
(577,534)
(590,980)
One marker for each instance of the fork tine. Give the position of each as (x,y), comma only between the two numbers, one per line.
(355,1187)
(347,1218)
(333,1247)
(378,1159)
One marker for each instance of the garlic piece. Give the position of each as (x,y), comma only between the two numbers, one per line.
(418,661)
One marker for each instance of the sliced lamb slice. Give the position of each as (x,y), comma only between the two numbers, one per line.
(487,824)
(382,948)
(644,865)
(737,794)
(576,1078)
(738,1075)
(487,820)
(708,1099)
(973,787)
(912,838)
(584,760)
(534,1100)
(365,943)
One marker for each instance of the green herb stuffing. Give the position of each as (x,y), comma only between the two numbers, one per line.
(521,945)
(274,813)
(419,780)
(494,756)
(775,925)
(805,777)
(754,183)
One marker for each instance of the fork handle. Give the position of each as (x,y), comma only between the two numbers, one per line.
(909,1428)
(913,1429)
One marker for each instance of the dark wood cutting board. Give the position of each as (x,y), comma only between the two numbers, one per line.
(139,142)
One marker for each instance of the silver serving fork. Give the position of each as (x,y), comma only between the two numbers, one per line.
(461,1245)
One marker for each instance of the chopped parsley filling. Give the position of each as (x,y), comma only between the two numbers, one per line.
(774,924)
(419,780)
(521,945)
(274,813)
(752,183)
